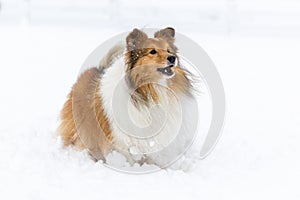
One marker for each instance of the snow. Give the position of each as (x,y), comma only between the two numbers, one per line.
(256,158)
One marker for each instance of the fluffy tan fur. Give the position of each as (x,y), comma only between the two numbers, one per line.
(142,66)
(84,123)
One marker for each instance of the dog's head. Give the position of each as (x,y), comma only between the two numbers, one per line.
(154,61)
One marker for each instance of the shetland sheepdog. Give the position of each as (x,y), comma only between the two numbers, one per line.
(138,105)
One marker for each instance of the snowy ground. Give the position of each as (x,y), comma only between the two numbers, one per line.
(256,158)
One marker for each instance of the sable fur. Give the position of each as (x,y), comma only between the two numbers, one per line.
(141,66)
(84,120)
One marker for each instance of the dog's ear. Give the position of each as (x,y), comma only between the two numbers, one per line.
(166,33)
(135,39)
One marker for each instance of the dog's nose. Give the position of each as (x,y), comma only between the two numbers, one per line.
(171,59)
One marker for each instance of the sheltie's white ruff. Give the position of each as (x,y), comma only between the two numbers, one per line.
(157,133)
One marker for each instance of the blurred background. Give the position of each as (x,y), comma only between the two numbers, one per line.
(214,16)
(254,44)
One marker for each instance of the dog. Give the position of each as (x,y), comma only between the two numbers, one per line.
(138,105)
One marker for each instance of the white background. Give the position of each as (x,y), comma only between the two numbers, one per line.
(255,46)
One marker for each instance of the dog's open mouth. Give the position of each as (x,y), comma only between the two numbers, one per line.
(166,70)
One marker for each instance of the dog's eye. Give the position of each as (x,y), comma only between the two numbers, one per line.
(168,51)
(153,51)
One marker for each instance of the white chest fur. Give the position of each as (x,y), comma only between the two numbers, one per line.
(158,132)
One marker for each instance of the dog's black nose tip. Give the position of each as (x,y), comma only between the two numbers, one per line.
(171,59)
